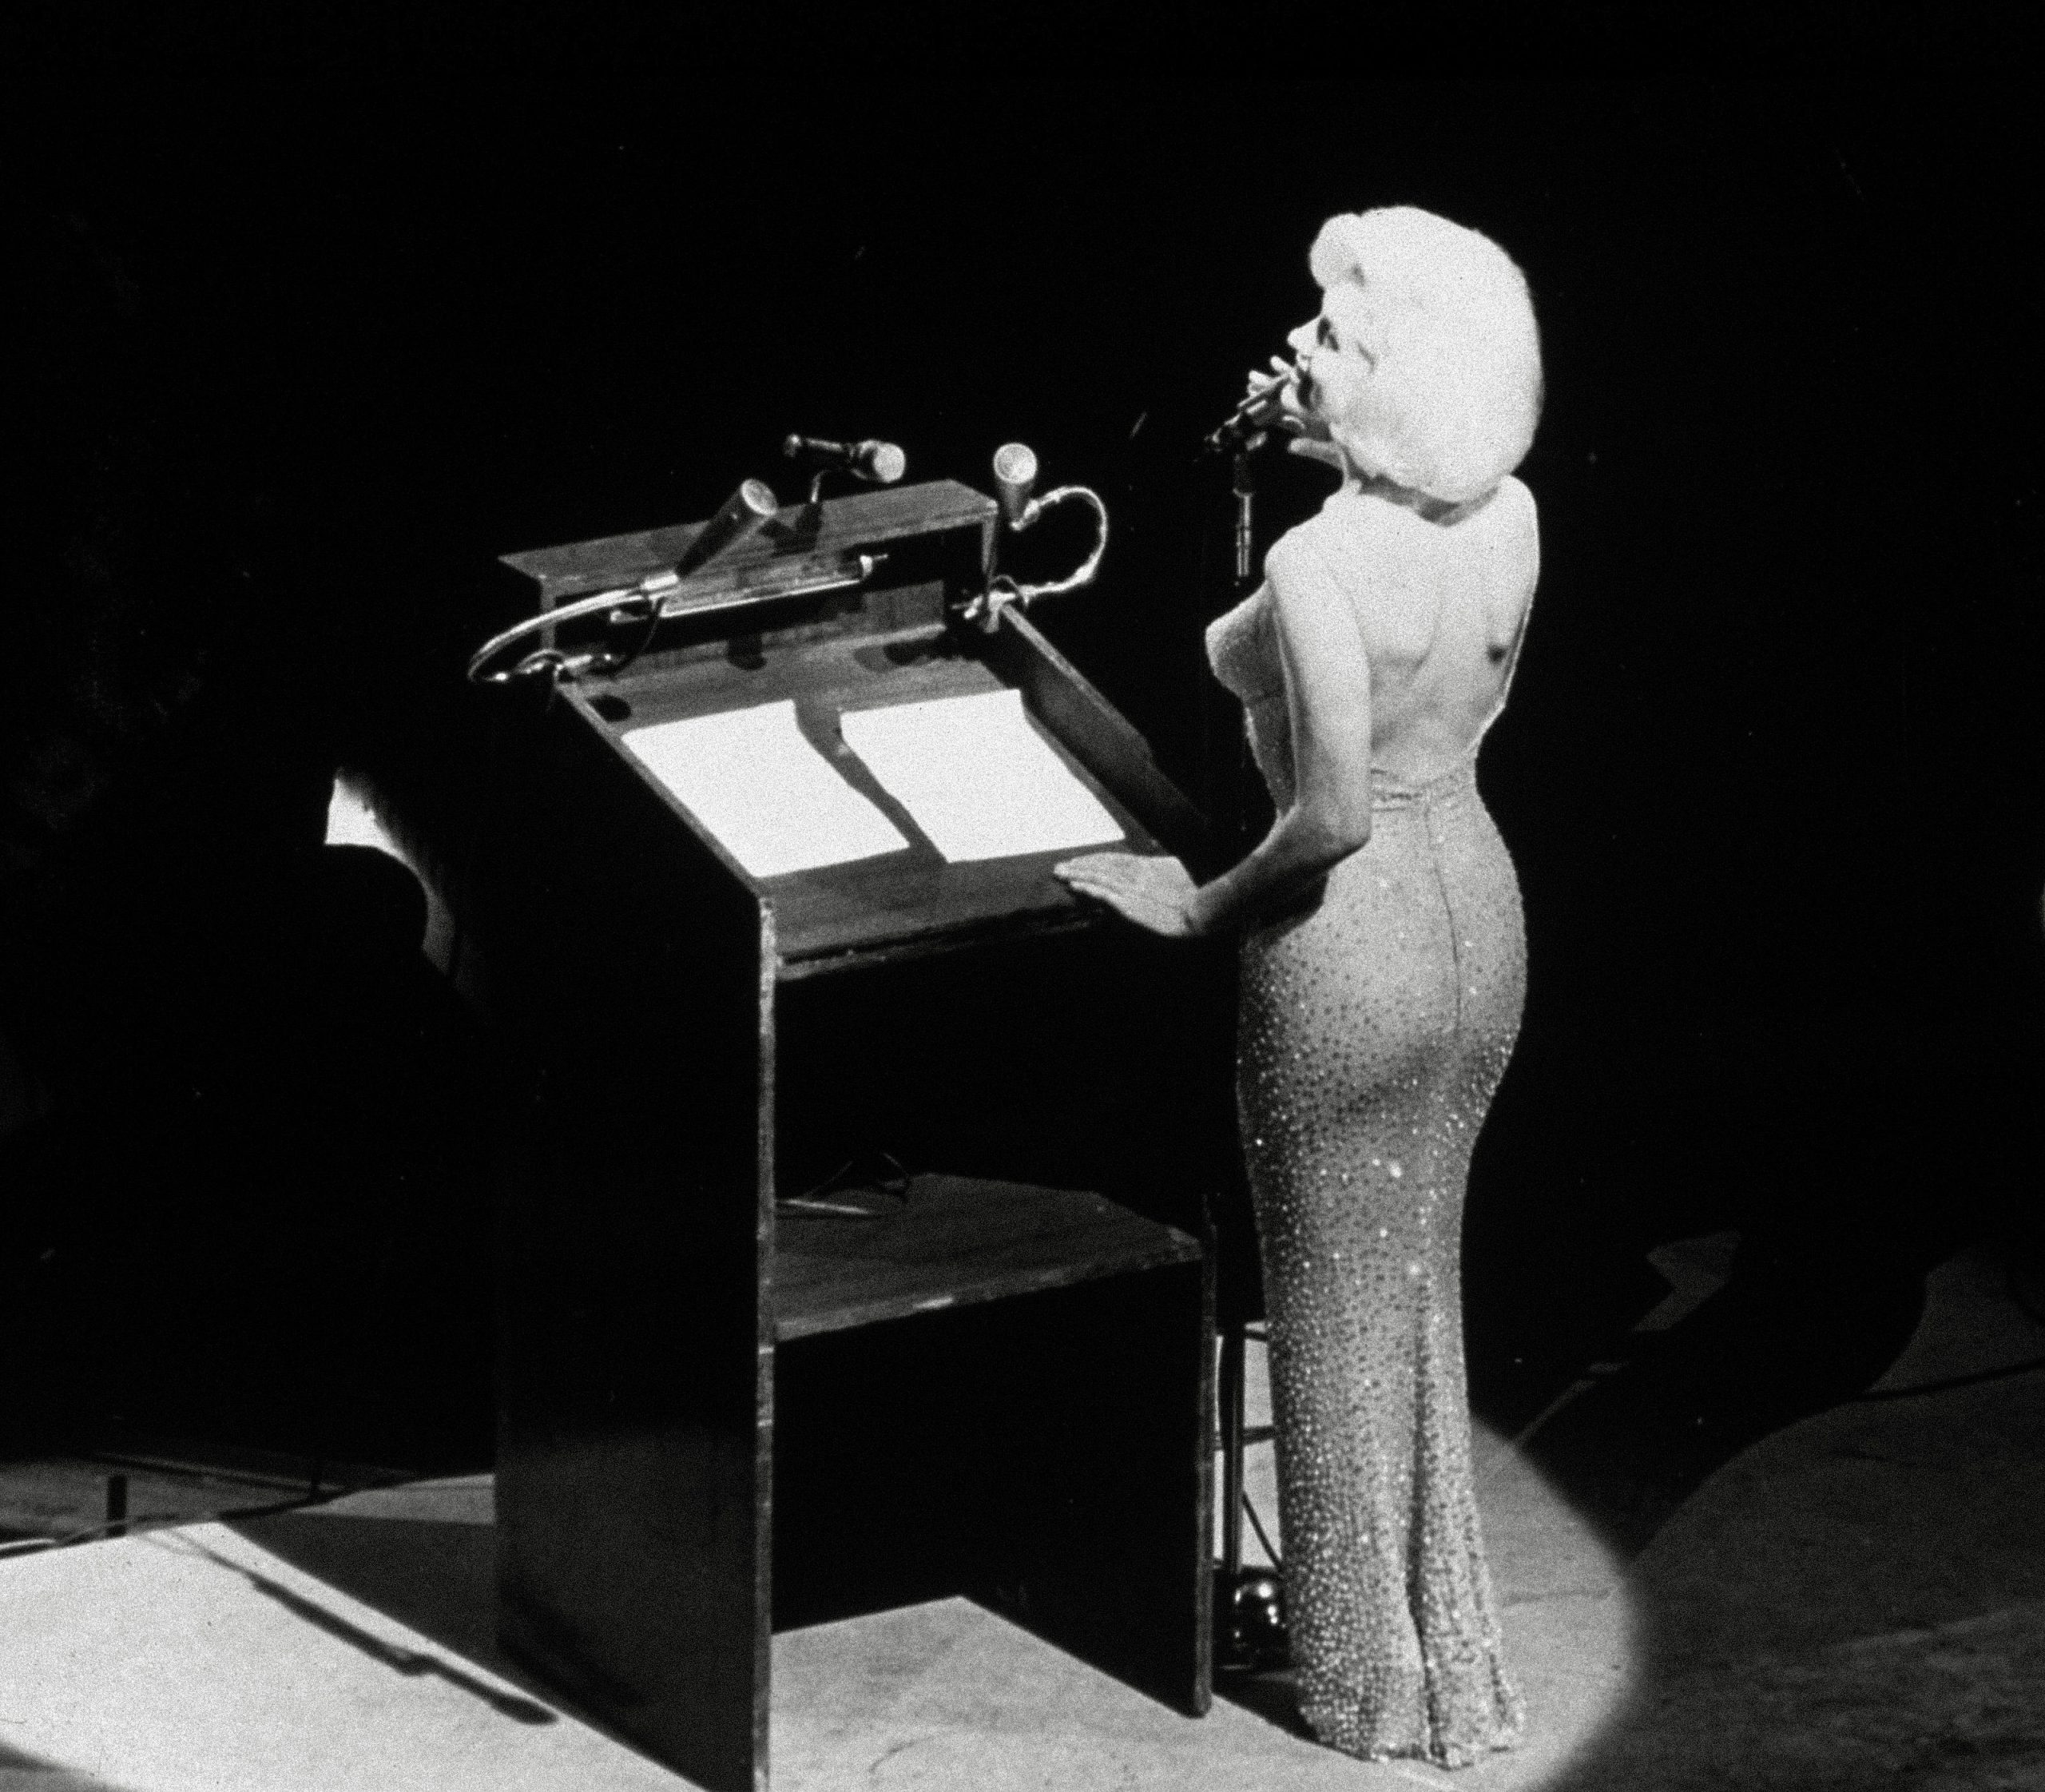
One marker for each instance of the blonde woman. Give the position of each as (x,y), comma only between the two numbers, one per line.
(1383,957)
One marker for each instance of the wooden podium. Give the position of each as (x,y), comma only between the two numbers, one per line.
(716,1417)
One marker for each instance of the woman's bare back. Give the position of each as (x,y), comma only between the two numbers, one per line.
(1441,607)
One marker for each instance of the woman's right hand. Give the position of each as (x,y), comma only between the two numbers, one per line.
(1278,394)
(1282,410)
(1154,891)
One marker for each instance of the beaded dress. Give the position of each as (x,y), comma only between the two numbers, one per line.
(1375,1022)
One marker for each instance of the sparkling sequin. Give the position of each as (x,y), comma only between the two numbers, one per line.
(1374,1025)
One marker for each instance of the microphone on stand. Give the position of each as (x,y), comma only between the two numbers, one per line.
(752,504)
(1238,431)
(1014,477)
(876,463)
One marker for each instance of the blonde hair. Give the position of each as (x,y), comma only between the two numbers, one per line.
(1455,391)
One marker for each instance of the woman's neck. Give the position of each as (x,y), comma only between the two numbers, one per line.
(1423,504)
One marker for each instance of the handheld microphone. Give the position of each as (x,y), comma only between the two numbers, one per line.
(877,462)
(1015,475)
(1238,431)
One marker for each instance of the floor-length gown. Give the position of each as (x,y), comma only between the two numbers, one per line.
(1375,1024)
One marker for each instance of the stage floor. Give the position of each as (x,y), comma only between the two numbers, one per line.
(1851,1600)
(351,1645)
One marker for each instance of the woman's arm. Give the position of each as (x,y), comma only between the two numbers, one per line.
(1327,700)
(1328,696)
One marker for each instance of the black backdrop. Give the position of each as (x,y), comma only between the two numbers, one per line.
(1770,771)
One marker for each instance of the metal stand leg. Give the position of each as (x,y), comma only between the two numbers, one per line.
(1250,1613)
(1231,1392)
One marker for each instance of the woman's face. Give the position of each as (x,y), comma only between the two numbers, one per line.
(1334,367)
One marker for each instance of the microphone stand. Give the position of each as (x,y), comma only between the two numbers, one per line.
(1239,440)
(1236,1647)
(1249,1618)
(1245,488)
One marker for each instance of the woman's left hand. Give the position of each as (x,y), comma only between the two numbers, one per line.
(1156,893)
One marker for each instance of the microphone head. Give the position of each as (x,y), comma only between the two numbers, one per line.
(1015,474)
(882,462)
(877,462)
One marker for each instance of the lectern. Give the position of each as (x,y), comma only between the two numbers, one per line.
(720,1412)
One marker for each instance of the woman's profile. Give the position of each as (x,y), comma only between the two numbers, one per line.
(1382,963)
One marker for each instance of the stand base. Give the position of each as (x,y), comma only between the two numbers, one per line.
(1249,1622)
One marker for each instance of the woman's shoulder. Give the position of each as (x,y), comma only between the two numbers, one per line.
(1511,532)
(1290,555)
(1321,547)
(1514,500)
(1360,540)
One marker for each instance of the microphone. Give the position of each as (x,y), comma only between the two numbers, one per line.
(752,504)
(1238,431)
(877,462)
(1015,474)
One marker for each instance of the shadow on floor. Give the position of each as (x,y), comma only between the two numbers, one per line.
(1851,1595)
(1759,1355)
(33,1774)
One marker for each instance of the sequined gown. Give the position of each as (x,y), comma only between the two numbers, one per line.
(1374,1025)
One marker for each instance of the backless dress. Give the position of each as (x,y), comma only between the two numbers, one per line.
(1374,1021)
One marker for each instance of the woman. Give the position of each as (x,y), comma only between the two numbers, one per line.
(1383,962)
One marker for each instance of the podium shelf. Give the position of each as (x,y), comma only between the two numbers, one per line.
(957,1240)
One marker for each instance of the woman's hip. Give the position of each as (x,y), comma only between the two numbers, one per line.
(1420,931)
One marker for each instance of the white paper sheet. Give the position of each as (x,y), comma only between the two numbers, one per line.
(977,778)
(773,800)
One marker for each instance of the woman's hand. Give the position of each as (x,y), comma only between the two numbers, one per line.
(1282,410)
(1156,893)
(1271,390)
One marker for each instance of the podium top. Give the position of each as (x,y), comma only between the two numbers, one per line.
(837,525)
(747,641)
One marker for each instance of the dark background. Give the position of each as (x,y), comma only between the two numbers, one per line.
(296,359)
